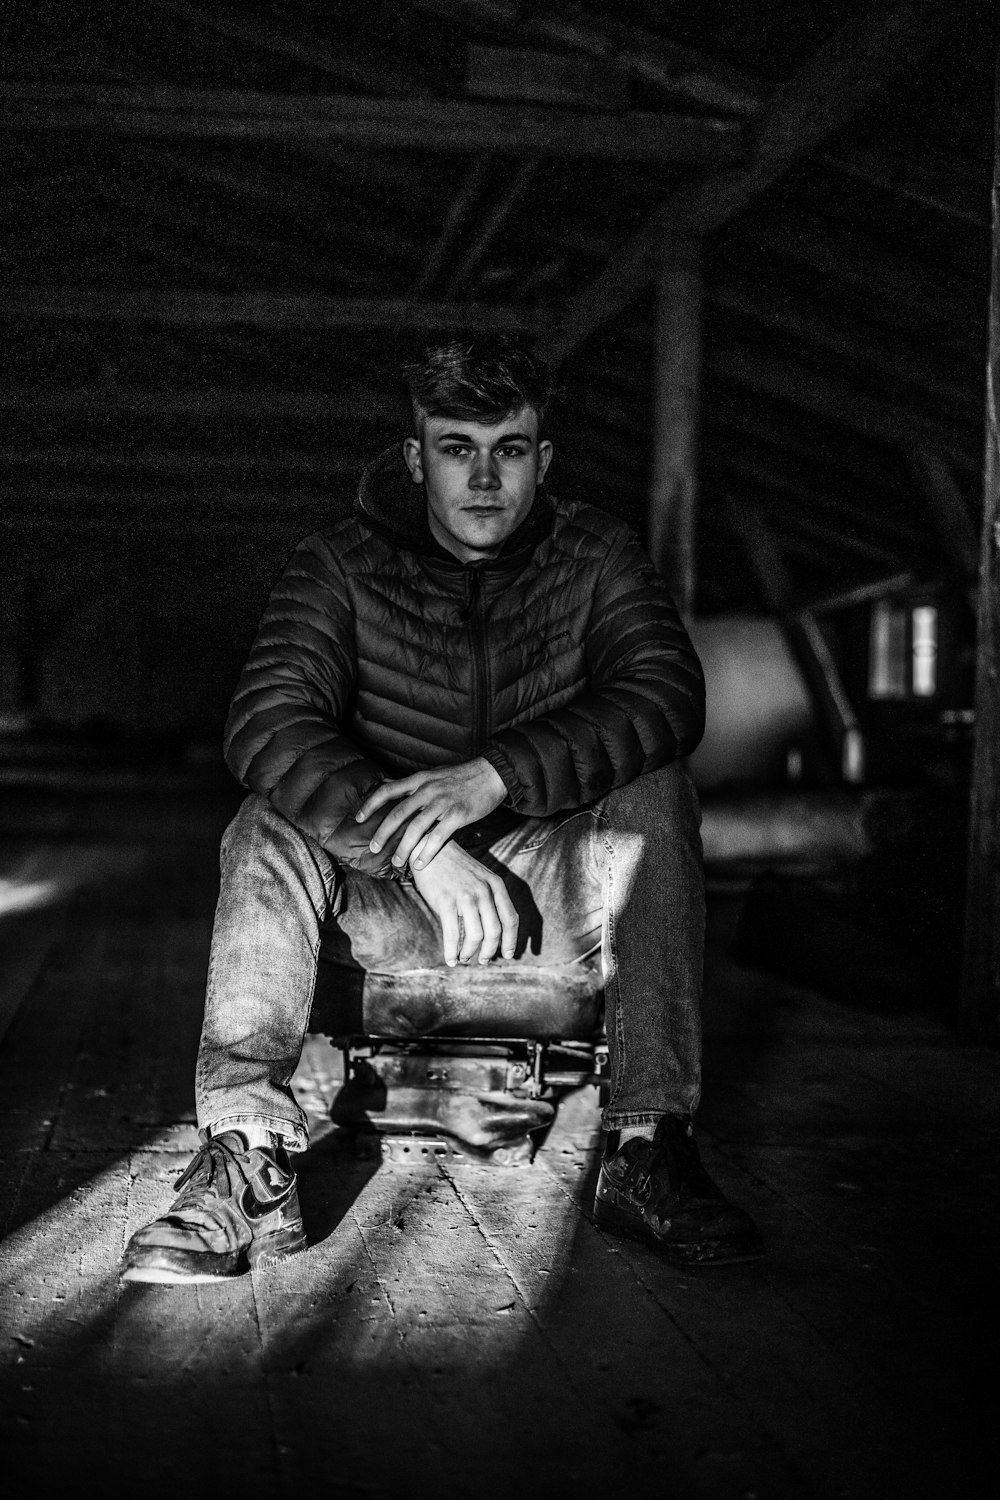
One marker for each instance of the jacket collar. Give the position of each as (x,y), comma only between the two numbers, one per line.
(391,505)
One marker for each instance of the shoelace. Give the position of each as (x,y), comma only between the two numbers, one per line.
(680,1156)
(211,1153)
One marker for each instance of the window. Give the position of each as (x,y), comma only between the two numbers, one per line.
(903,650)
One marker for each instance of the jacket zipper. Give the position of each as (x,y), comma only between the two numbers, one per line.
(480,664)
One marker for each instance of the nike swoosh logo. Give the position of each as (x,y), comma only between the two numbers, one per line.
(254,1209)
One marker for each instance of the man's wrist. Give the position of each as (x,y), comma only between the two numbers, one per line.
(492,775)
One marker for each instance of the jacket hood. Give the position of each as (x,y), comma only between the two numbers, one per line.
(391,505)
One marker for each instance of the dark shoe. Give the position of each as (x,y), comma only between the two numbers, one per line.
(237,1209)
(659,1192)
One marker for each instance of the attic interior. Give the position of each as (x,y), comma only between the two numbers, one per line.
(756,244)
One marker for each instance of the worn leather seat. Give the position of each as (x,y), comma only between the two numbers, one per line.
(458,1055)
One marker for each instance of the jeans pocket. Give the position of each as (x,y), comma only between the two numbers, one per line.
(549,826)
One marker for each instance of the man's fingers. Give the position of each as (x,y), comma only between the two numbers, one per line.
(434,840)
(392,822)
(388,791)
(473,934)
(491,926)
(507,913)
(417,826)
(449,936)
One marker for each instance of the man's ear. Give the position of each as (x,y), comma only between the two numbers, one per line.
(414,462)
(544,458)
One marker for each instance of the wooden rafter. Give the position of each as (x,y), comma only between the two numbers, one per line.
(857,343)
(353,404)
(892,284)
(679,71)
(192,501)
(831,398)
(462,205)
(947,509)
(184,463)
(946,183)
(344,64)
(677,359)
(803,634)
(435,125)
(264,310)
(857,63)
(981,971)
(489,228)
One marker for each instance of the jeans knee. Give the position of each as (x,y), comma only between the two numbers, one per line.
(662,797)
(261,844)
(259,831)
(254,817)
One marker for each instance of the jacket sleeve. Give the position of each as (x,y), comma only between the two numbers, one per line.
(644,705)
(283,736)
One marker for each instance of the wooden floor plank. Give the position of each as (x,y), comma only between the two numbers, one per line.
(798,1388)
(858,1274)
(40,1050)
(454,1330)
(660,1409)
(58,1273)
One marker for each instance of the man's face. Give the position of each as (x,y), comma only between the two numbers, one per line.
(480,478)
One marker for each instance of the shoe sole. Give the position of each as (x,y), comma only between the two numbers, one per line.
(725,1252)
(165,1267)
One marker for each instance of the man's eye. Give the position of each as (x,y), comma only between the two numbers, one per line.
(456,449)
(512,452)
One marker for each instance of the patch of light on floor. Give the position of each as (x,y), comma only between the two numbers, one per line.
(27,895)
(463,1261)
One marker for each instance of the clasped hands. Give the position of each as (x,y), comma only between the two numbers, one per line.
(470,901)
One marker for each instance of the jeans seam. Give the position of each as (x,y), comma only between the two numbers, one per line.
(619,1073)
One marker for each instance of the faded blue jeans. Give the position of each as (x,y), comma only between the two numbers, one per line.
(622,876)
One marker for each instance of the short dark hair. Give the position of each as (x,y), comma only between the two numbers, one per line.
(481,380)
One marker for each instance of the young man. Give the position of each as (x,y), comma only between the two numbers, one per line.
(468,677)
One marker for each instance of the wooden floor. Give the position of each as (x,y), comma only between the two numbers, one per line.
(457,1331)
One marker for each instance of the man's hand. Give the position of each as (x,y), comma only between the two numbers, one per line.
(472,905)
(432,805)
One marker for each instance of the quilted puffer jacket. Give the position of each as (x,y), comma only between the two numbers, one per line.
(563,661)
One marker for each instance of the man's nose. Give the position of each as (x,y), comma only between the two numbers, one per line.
(485,475)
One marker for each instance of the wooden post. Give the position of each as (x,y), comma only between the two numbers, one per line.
(673,500)
(980,1012)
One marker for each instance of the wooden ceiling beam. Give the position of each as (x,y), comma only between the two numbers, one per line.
(459,211)
(897,285)
(374,124)
(345,64)
(856,342)
(946,183)
(681,72)
(75,525)
(352,405)
(70,500)
(948,512)
(764,426)
(882,40)
(841,521)
(804,636)
(264,310)
(828,397)
(319,465)
(489,228)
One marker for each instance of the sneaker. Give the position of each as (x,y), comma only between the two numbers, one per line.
(236,1209)
(658,1191)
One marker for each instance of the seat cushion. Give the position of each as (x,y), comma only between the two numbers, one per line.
(500,1000)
